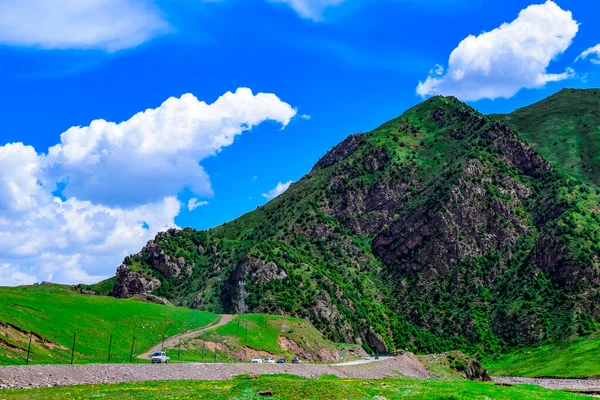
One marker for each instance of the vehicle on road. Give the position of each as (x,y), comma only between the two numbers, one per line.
(377,357)
(281,361)
(296,360)
(256,360)
(368,358)
(160,357)
(268,360)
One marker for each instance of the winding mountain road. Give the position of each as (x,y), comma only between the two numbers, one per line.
(174,340)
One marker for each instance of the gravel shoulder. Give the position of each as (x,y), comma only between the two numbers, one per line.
(589,386)
(62,375)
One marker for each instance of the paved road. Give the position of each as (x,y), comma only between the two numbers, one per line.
(174,340)
(359,362)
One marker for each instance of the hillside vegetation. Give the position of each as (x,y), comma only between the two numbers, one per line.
(55,313)
(250,335)
(290,387)
(439,230)
(574,358)
(565,130)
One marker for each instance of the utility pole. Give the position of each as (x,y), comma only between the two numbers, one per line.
(73,348)
(163,343)
(245,333)
(109,346)
(29,348)
(131,352)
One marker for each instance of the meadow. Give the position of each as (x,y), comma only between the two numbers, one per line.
(55,314)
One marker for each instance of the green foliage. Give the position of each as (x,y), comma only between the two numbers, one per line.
(573,358)
(291,387)
(54,313)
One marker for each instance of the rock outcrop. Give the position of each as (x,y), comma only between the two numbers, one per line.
(130,283)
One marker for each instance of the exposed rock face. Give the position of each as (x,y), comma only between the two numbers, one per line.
(321,355)
(130,283)
(249,270)
(325,312)
(161,262)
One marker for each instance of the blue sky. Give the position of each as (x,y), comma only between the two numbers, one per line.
(328,68)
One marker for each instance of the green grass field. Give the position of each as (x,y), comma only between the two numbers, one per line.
(579,357)
(55,313)
(258,332)
(291,387)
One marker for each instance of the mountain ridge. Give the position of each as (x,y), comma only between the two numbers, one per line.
(440,229)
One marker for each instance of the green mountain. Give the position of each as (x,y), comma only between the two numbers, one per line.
(565,130)
(441,229)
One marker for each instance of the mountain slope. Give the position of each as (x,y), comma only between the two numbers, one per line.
(565,130)
(438,230)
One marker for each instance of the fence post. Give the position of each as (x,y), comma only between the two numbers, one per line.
(203,347)
(109,346)
(238,327)
(179,352)
(73,348)
(29,348)
(131,353)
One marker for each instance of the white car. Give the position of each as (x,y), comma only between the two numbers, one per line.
(268,360)
(256,360)
(367,358)
(160,357)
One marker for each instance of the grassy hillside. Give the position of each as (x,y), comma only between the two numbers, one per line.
(259,334)
(574,358)
(565,130)
(55,313)
(290,387)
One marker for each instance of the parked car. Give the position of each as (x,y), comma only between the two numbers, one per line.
(281,361)
(377,357)
(256,360)
(367,358)
(296,360)
(268,360)
(160,357)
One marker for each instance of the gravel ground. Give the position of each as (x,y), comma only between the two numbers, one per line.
(590,386)
(62,375)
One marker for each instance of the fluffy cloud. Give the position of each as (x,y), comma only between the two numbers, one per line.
(108,172)
(501,62)
(157,151)
(277,190)
(79,24)
(193,203)
(594,52)
(312,9)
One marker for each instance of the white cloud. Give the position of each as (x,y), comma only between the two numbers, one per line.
(592,51)
(501,62)
(277,190)
(79,24)
(193,203)
(311,9)
(121,185)
(157,151)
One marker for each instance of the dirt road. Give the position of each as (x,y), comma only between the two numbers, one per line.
(62,375)
(174,340)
